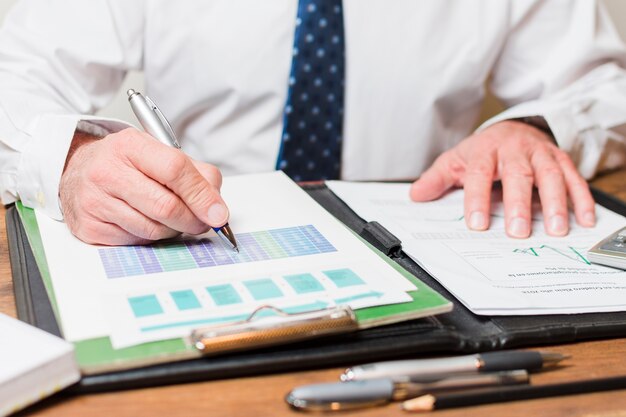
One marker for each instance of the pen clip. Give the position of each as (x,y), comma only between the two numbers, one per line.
(253,333)
(164,121)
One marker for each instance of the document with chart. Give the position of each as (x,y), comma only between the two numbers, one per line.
(487,271)
(293,256)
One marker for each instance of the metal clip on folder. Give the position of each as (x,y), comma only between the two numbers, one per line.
(260,330)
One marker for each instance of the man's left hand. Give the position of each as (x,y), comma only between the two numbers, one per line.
(521,156)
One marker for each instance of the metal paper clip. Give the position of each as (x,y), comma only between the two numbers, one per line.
(255,332)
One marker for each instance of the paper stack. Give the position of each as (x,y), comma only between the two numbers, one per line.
(35,364)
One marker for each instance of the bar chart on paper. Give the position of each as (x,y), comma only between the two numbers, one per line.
(293,255)
(220,296)
(125,261)
(173,311)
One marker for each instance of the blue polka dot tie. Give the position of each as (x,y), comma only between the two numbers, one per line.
(313,121)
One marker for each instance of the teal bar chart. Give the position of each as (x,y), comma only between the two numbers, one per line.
(241,294)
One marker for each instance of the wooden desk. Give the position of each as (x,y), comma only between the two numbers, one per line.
(263,396)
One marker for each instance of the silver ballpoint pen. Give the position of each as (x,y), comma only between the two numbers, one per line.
(482,362)
(373,392)
(155,123)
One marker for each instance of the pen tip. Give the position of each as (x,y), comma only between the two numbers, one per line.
(130,92)
(423,403)
(551,358)
(348,375)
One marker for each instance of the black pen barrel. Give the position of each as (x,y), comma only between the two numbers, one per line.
(505,360)
(478,397)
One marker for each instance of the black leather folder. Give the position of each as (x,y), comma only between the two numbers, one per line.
(459,331)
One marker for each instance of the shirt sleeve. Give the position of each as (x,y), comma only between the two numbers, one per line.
(60,61)
(564,61)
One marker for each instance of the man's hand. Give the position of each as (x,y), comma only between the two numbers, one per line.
(521,156)
(128,188)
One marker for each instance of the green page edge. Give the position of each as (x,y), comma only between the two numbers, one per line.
(98,353)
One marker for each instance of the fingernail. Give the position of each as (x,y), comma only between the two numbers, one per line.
(589,218)
(519,227)
(557,225)
(478,221)
(217,214)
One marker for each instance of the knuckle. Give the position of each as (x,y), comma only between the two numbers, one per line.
(202,195)
(517,170)
(118,142)
(88,203)
(552,172)
(98,175)
(123,143)
(562,157)
(579,183)
(166,206)
(174,165)
(199,228)
(88,232)
(153,231)
(481,169)
(216,175)
(555,207)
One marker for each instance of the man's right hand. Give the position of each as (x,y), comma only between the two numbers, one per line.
(129,188)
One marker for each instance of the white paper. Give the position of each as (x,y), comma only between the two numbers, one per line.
(35,364)
(489,272)
(174,322)
(88,300)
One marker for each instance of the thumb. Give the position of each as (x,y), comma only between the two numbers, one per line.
(434,182)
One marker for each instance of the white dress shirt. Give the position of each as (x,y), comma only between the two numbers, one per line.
(219,69)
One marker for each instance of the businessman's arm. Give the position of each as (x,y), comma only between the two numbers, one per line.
(60,61)
(128,188)
(564,62)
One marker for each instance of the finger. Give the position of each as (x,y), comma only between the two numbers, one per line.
(435,181)
(517,189)
(175,170)
(578,190)
(210,173)
(477,185)
(118,212)
(95,232)
(552,192)
(154,201)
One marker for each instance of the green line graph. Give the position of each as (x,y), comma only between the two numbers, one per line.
(457,218)
(569,253)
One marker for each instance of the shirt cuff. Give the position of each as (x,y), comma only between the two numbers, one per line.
(43,159)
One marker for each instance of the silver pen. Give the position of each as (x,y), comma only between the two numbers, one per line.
(156,124)
(482,362)
(373,392)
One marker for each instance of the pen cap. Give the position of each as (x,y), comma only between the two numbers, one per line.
(341,395)
(501,361)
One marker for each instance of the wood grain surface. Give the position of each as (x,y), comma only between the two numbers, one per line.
(263,396)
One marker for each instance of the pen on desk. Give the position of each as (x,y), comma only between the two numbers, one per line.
(483,362)
(374,392)
(496,395)
(156,124)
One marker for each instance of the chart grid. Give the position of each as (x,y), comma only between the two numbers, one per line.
(125,261)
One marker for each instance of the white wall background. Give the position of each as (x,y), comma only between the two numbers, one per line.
(119,107)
